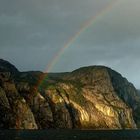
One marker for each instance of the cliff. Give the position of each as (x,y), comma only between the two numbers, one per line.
(94,97)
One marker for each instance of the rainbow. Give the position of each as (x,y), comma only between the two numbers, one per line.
(85,26)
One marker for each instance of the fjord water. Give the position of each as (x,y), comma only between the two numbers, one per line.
(70,134)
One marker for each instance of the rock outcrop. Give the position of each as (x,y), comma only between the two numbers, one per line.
(15,112)
(94,97)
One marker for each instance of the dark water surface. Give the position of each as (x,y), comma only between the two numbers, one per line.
(70,134)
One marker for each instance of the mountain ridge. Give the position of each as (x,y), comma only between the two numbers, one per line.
(94,97)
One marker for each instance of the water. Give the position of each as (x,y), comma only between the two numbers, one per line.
(70,134)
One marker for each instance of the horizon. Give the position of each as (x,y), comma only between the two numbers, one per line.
(63,35)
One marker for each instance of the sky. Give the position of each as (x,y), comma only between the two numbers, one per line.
(33,32)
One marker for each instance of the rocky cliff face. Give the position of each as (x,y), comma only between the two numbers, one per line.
(88,98)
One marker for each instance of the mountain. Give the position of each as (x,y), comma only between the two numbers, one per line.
(5,66)
(94,97)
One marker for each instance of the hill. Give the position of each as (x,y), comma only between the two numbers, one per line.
(94,97)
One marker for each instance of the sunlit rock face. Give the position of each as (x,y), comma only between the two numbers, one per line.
(88,98)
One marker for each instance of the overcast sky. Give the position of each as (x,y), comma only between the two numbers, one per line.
(33,31)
